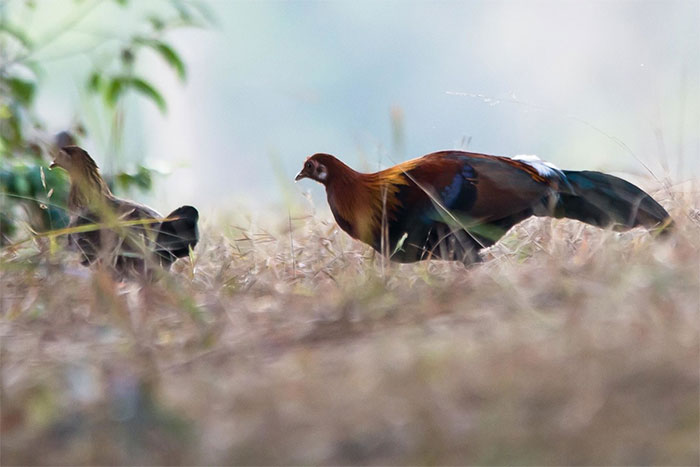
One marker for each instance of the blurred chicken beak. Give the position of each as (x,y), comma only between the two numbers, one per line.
(300,176)
(53,165)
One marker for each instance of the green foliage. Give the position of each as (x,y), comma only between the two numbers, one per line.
(113,84)
(29,192)
(23,90)
(168,54)
(115,87)
(25,186)
(142,179)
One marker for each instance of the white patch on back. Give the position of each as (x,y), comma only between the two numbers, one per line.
(544,168)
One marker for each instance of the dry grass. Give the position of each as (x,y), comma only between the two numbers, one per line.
(568,345)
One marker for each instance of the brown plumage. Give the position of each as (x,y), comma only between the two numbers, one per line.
(128,247)
(450,204)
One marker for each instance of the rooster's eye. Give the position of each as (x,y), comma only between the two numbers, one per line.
(308,165)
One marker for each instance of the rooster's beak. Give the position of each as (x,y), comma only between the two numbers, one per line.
(300,176)
(53,165)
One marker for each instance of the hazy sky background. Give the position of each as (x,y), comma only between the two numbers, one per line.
(570,81)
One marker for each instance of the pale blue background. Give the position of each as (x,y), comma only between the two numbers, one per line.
(276,81)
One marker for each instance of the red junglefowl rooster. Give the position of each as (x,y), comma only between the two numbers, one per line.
(129,248)
(451,204)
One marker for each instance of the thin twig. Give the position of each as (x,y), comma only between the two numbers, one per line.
(291,243)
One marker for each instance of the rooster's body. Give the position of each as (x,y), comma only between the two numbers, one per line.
(451,204)
(138,239)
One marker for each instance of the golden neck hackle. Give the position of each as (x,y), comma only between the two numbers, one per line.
(88,188)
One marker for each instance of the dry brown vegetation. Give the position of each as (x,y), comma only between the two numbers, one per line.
(568,345)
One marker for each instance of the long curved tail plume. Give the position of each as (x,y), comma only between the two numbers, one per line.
(177,236)
(605,200)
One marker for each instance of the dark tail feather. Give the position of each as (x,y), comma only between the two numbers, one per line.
(176,237)
(604,200)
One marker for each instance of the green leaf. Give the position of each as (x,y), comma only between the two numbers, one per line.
(167,52)
(156,22)
(172,57)
(119,84)
(17,33)
(143,178)
(145,88)
(123,180)
(22,90)
(114,90)
(94,81)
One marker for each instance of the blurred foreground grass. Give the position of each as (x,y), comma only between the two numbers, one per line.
(568,345)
